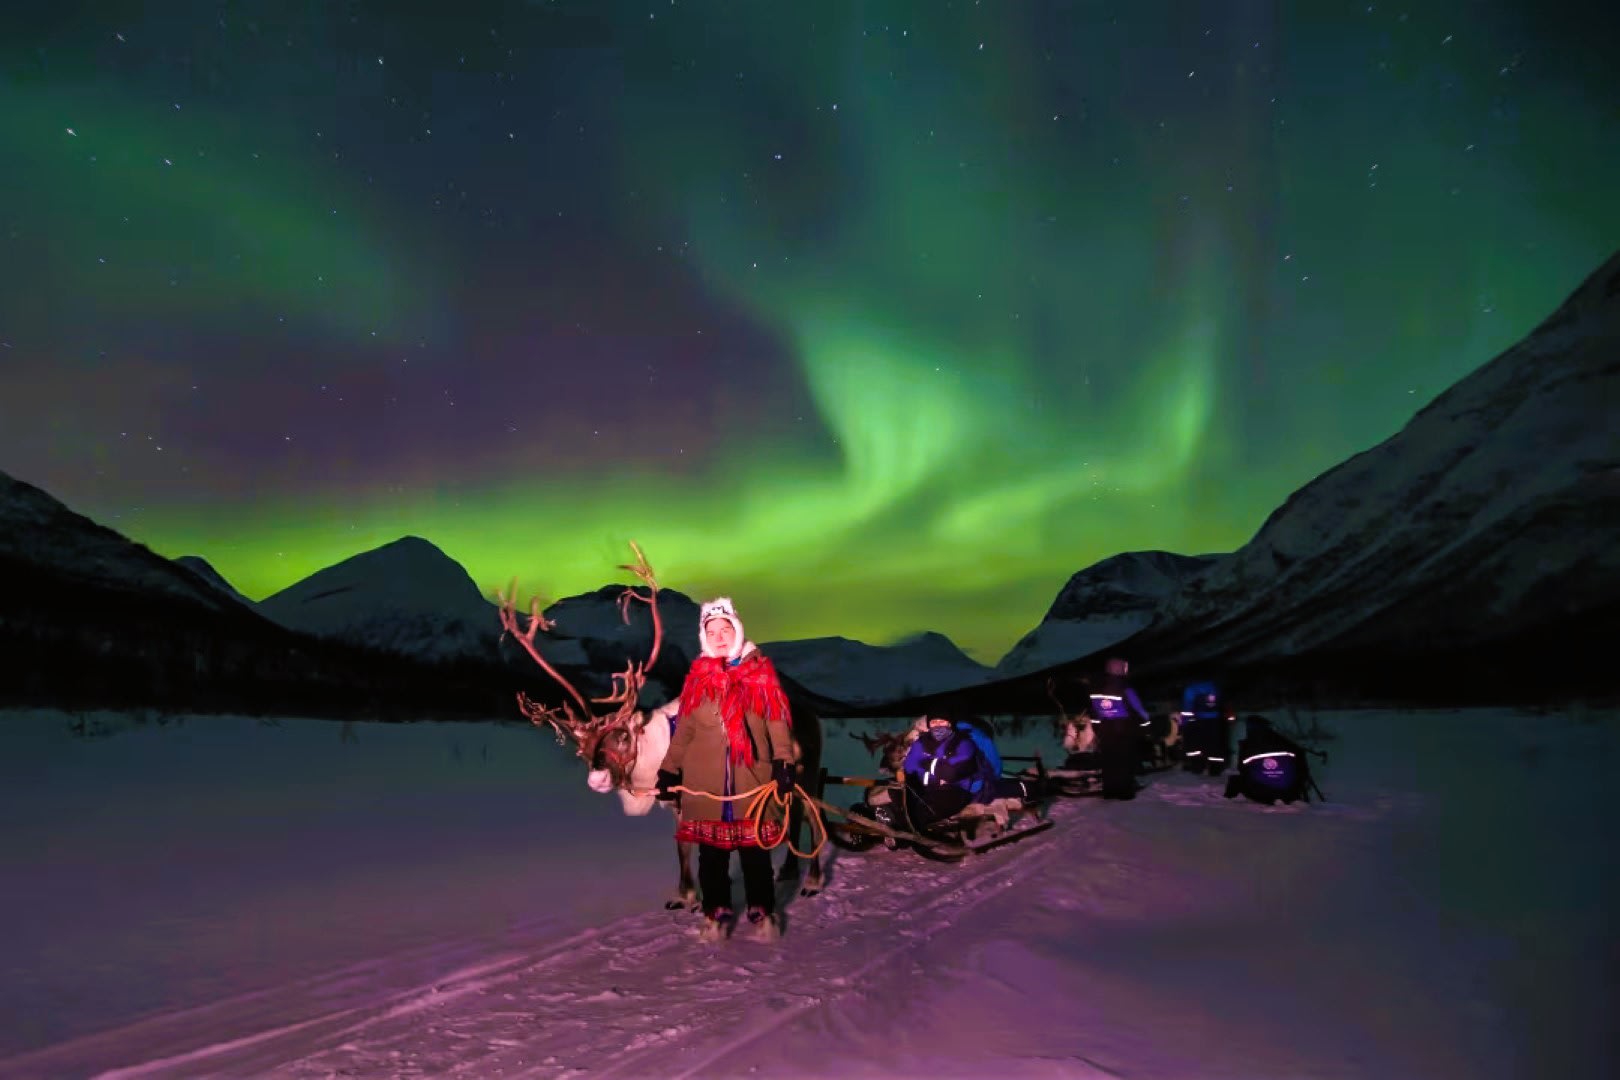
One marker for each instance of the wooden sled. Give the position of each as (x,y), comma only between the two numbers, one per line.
(881,820)
(1075,779)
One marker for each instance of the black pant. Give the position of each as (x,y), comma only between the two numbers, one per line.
(1117,752)
(714,878)
(928,804)
(1215,744)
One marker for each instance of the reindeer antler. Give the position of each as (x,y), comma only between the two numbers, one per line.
(558,716)
(1051,692)
(644,571)
(576,719)
(628,683)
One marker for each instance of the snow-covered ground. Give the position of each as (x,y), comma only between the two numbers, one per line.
(227,898)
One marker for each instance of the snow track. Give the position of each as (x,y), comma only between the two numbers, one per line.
(588,1006)
(1118,944)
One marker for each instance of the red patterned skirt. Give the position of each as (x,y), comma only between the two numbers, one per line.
(729,834)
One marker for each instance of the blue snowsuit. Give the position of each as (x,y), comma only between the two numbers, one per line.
(959,767)
(945,770)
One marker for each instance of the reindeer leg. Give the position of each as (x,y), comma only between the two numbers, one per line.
(790,861)
(686,894)
(812,880)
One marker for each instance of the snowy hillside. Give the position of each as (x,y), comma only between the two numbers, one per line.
(1103,604)
(205,570)
(1494,515)
(592,631)
(38,533)
(451,900)
(858,673)
(406,597)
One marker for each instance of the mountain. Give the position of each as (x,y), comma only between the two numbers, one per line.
(1473,556)
(406,597)
(1103,604)
(589,632)
(205,570)
(88,617)
(858,673)
(41,536)
(1487,528)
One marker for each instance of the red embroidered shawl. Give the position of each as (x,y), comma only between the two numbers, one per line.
(750,687)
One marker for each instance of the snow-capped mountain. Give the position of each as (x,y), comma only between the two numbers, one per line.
(1492,518)
(1103,604)
(39,534)
(590,632)
(406,597)
(858,673)
(1479,544)
(597,617)
(205,570)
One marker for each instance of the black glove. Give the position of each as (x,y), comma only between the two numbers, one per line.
(782,773)
(667,780)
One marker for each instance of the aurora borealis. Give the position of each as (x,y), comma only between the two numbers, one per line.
(876,317)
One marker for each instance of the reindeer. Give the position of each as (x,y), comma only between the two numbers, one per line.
(1077,728)
(889,747)
(623,748)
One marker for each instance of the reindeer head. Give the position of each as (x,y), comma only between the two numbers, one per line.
(610,750)
(890,747)
(607,743)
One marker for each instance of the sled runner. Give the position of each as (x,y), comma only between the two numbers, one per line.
(889,816)
(1081,773)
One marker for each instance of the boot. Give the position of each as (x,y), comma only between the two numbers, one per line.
(762,925)
(716,926)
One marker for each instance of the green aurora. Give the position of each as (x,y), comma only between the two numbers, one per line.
(1033,291)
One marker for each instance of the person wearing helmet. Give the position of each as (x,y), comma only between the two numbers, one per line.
(1120,719)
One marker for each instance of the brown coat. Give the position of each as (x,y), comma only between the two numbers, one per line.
(699,748)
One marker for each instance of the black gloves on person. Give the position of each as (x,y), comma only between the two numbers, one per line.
(782,773)
(666,781)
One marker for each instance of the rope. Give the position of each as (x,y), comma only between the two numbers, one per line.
(764,796)
(898,834)
(814,808)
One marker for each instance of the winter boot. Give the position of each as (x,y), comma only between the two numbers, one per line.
(762,925)
(716,925)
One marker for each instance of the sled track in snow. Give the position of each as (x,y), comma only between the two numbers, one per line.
(638,997)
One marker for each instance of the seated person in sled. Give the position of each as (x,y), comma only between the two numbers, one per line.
(953,764)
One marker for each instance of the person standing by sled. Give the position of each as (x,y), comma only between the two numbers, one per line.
(734,736)
(1205,719)
(1121,722)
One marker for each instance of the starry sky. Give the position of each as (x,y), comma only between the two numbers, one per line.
(878,317)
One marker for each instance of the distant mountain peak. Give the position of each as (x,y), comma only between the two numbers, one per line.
(1106,602)
(406,595)
(412,545)
(39,530)
(205,570)
(856,672)
(1128,583)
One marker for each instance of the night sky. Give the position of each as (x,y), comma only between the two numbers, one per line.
(878,317)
